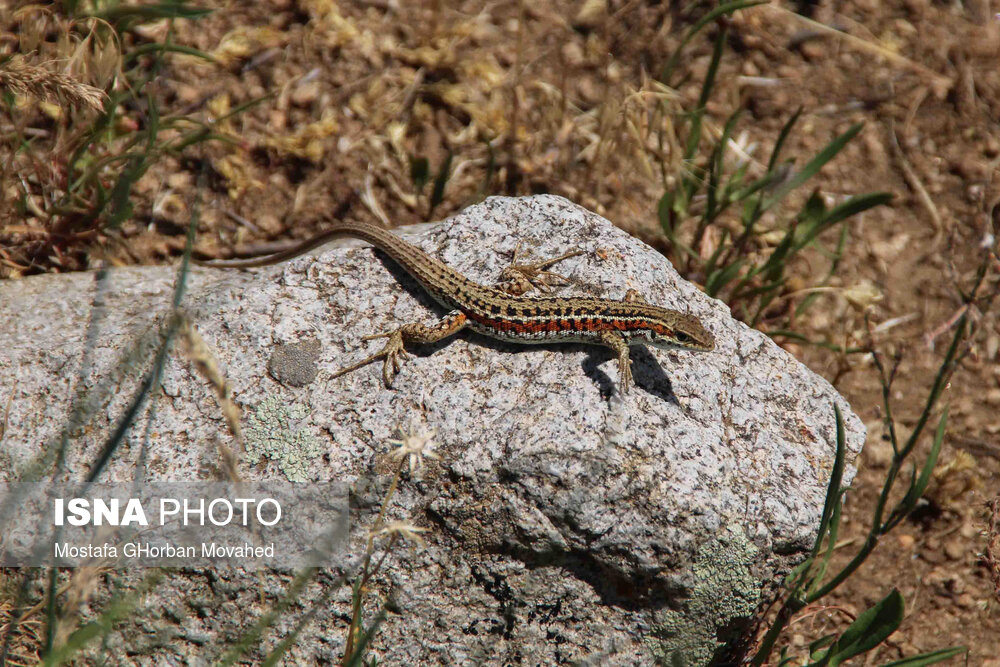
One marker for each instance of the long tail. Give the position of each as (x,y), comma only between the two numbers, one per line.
(339,231)
(438,279)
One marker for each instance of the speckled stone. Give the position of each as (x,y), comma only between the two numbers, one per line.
(565,523)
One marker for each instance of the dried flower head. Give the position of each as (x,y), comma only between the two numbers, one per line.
(415,446)
(402,529)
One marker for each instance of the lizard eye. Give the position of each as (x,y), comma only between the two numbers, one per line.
(682,337)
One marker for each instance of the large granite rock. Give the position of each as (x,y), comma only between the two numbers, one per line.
(567,523)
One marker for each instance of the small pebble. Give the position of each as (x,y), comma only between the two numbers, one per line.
(305,94)
(965,601)
(270,223)
(954,550)
(188,94)
(179,180)
(572,53)
(932,552)
(592,13)
(969,167)
(992,147)
(814,50)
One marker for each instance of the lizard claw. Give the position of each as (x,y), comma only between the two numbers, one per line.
(391,353)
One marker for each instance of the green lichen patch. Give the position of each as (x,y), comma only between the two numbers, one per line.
(276,431)
(725,593)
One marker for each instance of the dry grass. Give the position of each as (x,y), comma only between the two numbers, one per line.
(991,557)
(567,120)
(53,77)
(28,638)
(39,81)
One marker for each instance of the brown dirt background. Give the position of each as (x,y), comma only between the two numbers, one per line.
(557,97)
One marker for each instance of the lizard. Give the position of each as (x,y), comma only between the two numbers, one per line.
(503,311)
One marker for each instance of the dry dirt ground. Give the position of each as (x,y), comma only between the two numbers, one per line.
(562,97)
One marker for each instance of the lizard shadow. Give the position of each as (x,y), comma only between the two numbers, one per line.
(647,373)
(646,370)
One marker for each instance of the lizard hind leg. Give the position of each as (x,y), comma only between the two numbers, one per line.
(395,348)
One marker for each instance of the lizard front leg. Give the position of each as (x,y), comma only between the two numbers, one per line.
(395,348)
(617,342)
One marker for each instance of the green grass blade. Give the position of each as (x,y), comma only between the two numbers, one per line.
(831,543)
(691,184)
(852,206)
(871,628)
(51,618)
(930,658)
(940,380)
(919,485)
(693,139)
(665,211)
(366,636)
(437,194)
(717,253)
(420,172)
(717,281)
(773,175)
(159,48)
(120,608)
(722,10)
(806,302)
(715,178)
(752,189)
(255,632)
(857,204)
(812,167)
(713,68)
(197,137)
(819,644)
(138,400)
(826,345)
(278,652)
(836,477)
(786,130)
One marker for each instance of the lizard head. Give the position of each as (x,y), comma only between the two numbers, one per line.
(670,329)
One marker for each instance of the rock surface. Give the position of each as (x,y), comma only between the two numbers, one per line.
(567,523)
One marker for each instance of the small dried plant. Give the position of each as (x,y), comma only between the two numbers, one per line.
(413,447)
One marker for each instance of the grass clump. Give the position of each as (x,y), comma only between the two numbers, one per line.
(727,226)
(81,121)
